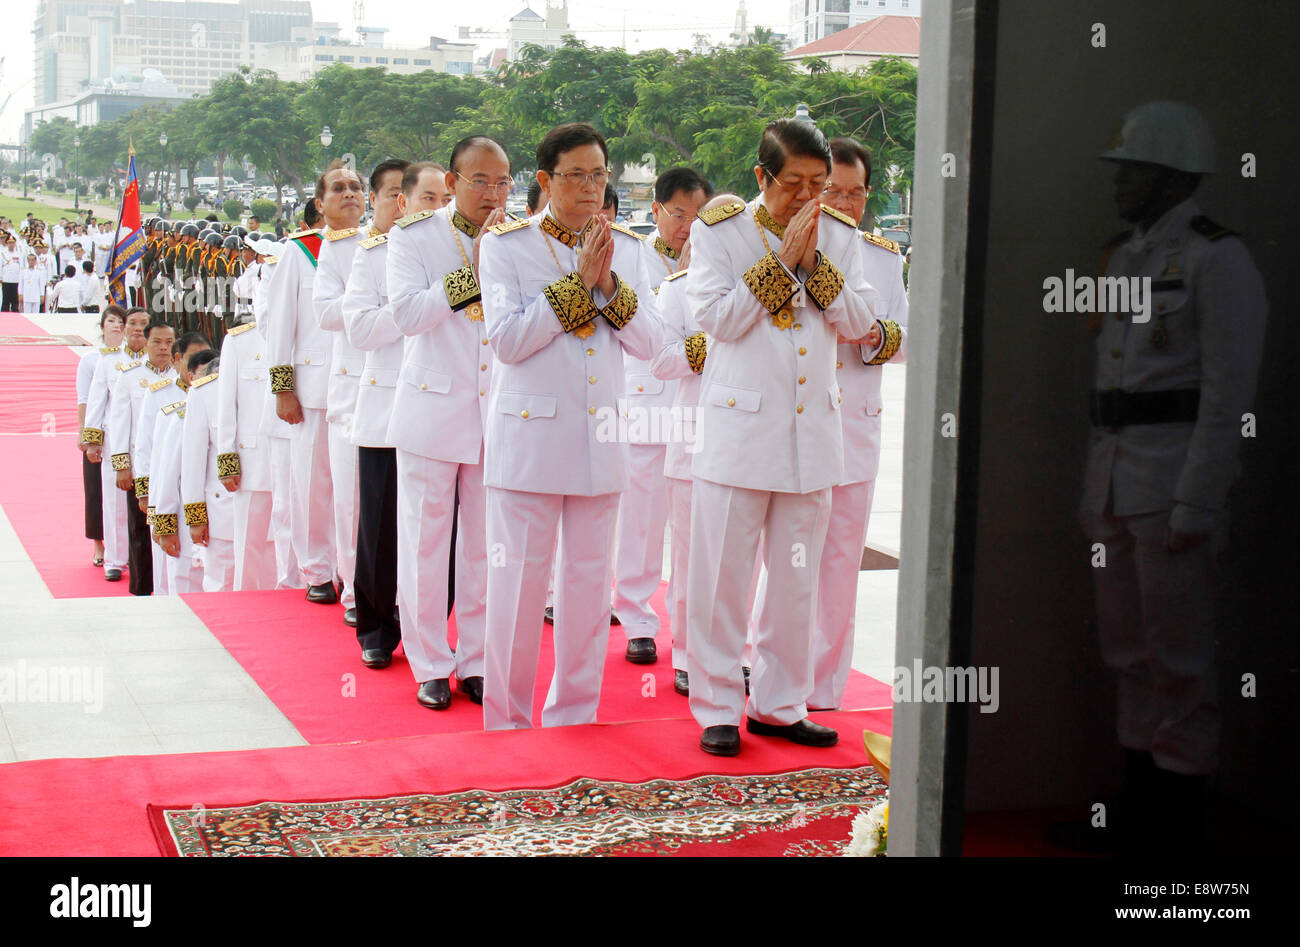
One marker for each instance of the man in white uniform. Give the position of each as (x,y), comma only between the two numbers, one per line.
(437,423)
(565,296)
(209,506)
(31,284)
(772,283)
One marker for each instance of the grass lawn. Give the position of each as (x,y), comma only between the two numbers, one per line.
(16,209)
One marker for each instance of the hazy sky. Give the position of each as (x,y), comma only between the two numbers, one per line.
(667,23)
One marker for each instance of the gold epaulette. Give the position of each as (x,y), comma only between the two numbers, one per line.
(622,228)
(374,241)
(509,226)
(302,233)
(271,259)
(110,349)
(332,235)
(161,383)
(127,366)
(672,276)
(243,327)
(168,409)
(718,214)
(409,219)
(883,242)
(1209,229)
(841,217)
(204,380)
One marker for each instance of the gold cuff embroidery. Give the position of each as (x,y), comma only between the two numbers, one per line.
(141,487)
(196,514)
(770,283)
(622,307)
(228,465)
(825,282)
(121,461)
(696,350)
(462,292)
(893,339)
(92,435)
(164,524)
(281,378)
(571,302)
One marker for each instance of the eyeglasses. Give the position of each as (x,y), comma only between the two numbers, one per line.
(577,178)
(482,186)
(815,185)
(856,194)
(671,216)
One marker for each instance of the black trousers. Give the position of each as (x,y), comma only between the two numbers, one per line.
(140,560)
(375,581)
(93,488)
(10,298)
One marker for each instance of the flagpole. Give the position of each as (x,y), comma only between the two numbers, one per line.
(117,230)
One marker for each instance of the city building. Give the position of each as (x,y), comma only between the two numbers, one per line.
(527,27)
(311,50)
(860,46)
(105,100)
(812,20)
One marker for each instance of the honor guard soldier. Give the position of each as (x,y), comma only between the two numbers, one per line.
(772,283)
(1172,386)
(643,508)
(859,369)
(149,261)
(299,350)
(185,260)
(565,295)
(334,265)
(208,506)
(437,422)
(368,322)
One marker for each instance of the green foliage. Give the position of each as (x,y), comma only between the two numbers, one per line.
(264,210)
(148,195)
(191,201)
(232,209)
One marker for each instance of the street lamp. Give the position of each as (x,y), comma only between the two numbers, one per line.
(76,172)
(162,194)
(326,136)
(22,150)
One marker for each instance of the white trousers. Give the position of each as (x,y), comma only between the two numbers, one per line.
(253,549)
(521,531)
(30,306)
(287,573)
(116,542)
(218,558)
(343,474)
(837,593)
(313,498)
(639,562)
(426,494)
(184,573)
(727,525)
(162,583)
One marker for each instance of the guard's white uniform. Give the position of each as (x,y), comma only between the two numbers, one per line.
(185,572)
(243,449)
(437,427)
(202,495)
(295,341)
(859,370)
(129,393)
(31,286)
(771,449)
(161,392)
(333,268)
(553,456)
(98,409)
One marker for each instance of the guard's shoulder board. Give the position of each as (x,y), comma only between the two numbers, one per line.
(883,242)
(127,366)
(509,226)
(110,349)
(204,380)
(168,409)
(409,219)
(672,276)
(272,260)
(1209,229)
(243,327)
(622,228)
(332,235)
(718,214)
(376,240)
(841,217)
(160,384)
(302,233)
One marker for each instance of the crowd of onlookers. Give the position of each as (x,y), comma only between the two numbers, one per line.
(56,268)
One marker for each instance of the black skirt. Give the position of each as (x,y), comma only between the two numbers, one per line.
(94,490)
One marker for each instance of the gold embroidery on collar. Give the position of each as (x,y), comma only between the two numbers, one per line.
(764,217)
(666,250)
(465,225)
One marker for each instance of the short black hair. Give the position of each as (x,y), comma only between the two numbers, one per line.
(310,215)
(611,199)
(411,176)
(470,143)
(87,266)
(212,217)
(188,339)
(534,196)
(156,324)
(849,151)
(789,137)
(679,179)
(388,164)
(70,270)
(199,359)
(564,138)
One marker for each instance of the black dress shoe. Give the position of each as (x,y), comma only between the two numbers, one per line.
(435,694)
(377,658)
(746,670)
(549,615)
(613,617)
(805,732)
(350,617)
(323,594)
(720,740)
(473,686)
(112,575)
(681,683)
(642,651)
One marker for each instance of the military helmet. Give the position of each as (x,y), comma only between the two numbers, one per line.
(190,230)
(250,239)
(212,238)
(239,231)
(231,242)
(1172,134)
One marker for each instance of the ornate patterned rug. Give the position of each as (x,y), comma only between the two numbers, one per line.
(807,812)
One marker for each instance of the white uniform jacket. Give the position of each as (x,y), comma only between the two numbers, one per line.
(334,265)
(368,322)
(647,394)
(673,363)
(241,399)
(202,494)
(293,337)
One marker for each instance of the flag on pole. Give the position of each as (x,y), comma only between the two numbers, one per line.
(129,236)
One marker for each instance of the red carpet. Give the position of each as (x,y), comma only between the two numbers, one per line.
(307,662)
(39,383)
(98,807)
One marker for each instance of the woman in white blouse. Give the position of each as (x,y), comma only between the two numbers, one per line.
(111,324)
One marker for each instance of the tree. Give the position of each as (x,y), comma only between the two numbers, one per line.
(274,133)
(264,210)
(232,209)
